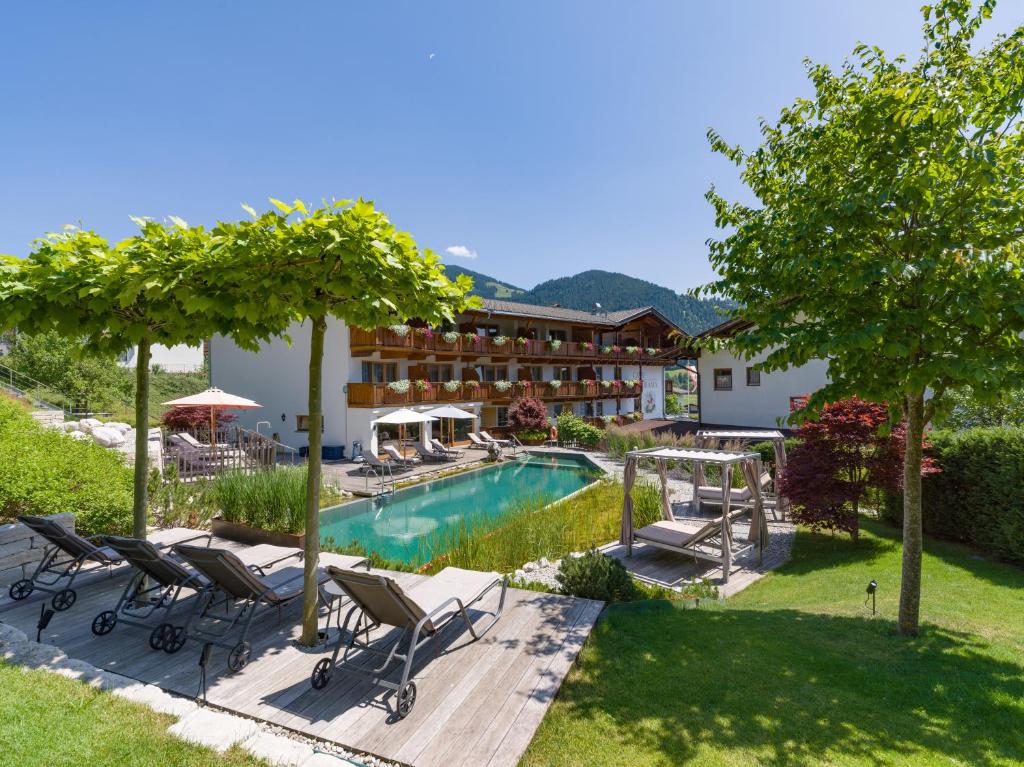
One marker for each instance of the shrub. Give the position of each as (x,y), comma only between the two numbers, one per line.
(194,420)
(527,436)
(573,429)
(527,414)
(595,576)
(619,441)
(975,497)
(43,471)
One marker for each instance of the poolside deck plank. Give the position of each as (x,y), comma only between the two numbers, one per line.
(478,703)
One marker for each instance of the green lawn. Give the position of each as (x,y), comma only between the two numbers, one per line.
(796,671)
(49,721)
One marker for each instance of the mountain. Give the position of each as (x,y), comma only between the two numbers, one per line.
(612,290)
(486,286)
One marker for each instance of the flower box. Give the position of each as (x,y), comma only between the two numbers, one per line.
(253,536)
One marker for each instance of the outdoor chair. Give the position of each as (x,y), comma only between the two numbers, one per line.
(432,454)
(158,583)
(63,559)
(243,592)
(701,541)
(447,451)
(423,611)
(400,459)
(502,442)
(712,495)
(372,463)
(475,441)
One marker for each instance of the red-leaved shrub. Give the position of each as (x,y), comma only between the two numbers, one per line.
(194,420)
(527,414)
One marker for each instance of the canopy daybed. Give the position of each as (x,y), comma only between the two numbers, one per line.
(714,438)
(711,540)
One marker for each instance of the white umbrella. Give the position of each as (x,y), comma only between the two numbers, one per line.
(400,418)
(452,414)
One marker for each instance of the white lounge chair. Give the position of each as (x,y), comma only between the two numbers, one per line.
(424,611)
(476,442)
(431,454)
(400,459)
(489,438)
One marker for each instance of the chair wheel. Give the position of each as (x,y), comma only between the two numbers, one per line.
(238,658)
(63,600)
(406,699)
(174,638)
(104,623)
(321,674)
(156,636)
(21,589)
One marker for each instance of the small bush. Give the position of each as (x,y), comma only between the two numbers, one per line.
(595,576)
(573,429)
(43,471)
(529,436)
(527,414)
(976,496)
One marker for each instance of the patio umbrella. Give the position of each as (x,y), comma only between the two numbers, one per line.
(452,414)
(401,418)
(215,399)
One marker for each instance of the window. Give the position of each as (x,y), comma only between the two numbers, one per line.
(600,408)
(438,373)
(753,377)
(492,373)
(487,331)
(557,335)
(563,373)
(536,373)
(502,416)
(723,379)
(618,373)
(302,423)
(380,372)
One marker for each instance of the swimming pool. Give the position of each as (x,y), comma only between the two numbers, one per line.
(405,525)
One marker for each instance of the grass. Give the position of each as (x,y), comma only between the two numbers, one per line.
(796,671)
(538,529)
(49,721)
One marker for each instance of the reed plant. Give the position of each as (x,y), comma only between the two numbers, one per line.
(272,499)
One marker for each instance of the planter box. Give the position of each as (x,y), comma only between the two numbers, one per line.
(254,536)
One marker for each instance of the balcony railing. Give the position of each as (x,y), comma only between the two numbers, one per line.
(414,392)
(416,340)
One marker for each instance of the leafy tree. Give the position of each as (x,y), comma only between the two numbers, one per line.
(837,459)
(968,410)
(886,233)
(527,414)
(152,288)
(195,420)
(343,260)
(61,364)
(672,405)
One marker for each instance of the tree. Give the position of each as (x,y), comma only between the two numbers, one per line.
(343,260)
(527,414)
(195,420)
(152,288)
(60,363)
(839,456)
(969,410)
(885,235)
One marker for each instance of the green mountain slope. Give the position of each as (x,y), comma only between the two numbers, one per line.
(612,290)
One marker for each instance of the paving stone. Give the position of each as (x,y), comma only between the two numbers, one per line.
(158,700)
(32,654)
(11,635)
(277,749)
(320,759)
(213,729)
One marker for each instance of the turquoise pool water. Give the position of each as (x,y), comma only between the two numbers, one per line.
(404,525)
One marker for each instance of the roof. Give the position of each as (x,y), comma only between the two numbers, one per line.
(608,319)
(727,329)
(703,455)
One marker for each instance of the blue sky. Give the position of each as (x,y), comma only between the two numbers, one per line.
(544,138)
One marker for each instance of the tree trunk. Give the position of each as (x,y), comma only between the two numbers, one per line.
(140,506)
(312,549)
(910,586)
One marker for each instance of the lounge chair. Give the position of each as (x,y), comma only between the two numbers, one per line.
(475,441)
(501,442)
(712,495)
(432,454)
(185,439)
(400,459)
(701,541)
(424,610)
(63,559)
(440,448)
(158,583)
(242,591)
(372,463)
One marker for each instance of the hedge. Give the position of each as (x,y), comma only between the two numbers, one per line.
(978,496)
(43,471)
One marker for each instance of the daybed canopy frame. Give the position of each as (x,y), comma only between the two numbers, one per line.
(728,461)
(713,438)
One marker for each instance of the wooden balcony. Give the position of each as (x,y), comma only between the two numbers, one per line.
(377,394)
(417,344)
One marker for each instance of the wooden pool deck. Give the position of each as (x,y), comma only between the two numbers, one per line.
(478,703)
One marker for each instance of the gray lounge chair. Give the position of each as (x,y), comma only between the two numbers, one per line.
(424,611)
(475,441)
(372,463)
(701,541)
(242,591)
(400,459)
(448,451)
(64,557)
(432,454)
